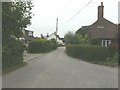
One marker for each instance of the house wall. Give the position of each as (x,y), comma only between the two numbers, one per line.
(52,36)
(103,29)
(114,44)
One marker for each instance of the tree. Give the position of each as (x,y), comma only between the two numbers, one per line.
(71,38)
(15,18)
(83,31)
(84,40)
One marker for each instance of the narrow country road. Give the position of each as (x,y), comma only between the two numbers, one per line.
(57,70)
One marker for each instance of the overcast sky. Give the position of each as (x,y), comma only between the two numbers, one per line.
(46,11)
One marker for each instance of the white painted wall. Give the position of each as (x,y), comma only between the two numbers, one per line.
(52,36)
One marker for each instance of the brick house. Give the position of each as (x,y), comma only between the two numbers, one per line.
(103,32)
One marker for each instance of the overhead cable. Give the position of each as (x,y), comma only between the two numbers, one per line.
(78,11)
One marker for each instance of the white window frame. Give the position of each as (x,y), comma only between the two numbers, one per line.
(100,27)
(107,43)
(30,33)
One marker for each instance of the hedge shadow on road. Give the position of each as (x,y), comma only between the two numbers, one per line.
(11,69)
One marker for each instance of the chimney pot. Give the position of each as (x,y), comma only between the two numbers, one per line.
(101,3)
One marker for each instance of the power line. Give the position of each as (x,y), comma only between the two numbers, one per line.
(78,12)
(66,5)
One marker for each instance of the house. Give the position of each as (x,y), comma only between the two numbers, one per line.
(103,32)
(28,36)
(56,37)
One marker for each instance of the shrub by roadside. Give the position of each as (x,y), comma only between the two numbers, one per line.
(114,59)
(12,52)
(41,45)
(91,53)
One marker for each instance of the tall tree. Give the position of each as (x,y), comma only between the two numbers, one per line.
(15,18)
(83,30)
(71,38)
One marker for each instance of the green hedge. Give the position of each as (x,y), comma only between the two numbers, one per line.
(89,52)
(41,45)
(12,52)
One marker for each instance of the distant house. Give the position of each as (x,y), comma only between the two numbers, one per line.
(56,37)
(103,32)
(28,36)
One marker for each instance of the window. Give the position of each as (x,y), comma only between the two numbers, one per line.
(30,33)
(100,27)
(106,43)
(103,42)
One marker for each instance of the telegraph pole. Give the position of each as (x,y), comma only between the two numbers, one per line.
(56,28)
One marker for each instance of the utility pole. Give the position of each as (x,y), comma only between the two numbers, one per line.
(56,28)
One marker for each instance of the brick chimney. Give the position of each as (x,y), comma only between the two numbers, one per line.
(100,11)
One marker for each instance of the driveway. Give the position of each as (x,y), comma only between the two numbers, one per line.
(57,70)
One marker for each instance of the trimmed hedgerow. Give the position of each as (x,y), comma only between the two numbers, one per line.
(92,52)
(41,46)
(12,52)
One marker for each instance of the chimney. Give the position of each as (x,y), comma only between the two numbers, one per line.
(100,11)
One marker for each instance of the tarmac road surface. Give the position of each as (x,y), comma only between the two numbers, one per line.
(57,70)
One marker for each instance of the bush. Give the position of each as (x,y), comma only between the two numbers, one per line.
(114,59)
(53,44)
(12,52)
(89,52)
(41,45)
